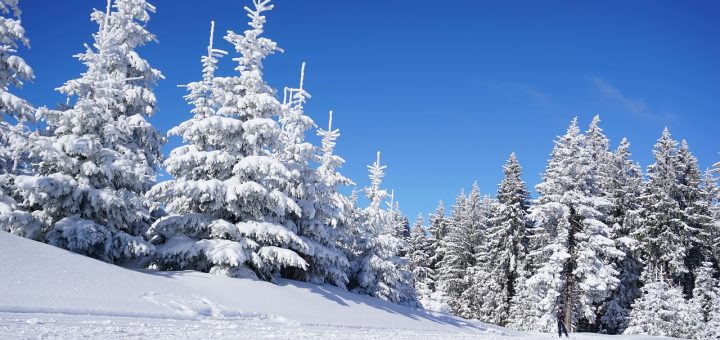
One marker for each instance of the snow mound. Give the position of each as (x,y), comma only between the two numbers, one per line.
(37,279)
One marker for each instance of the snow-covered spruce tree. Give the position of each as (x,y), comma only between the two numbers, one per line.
(712,326)
(419,258)
(378,268)
(315,191)
(524,309)
(507,243)
(457,256)
(715,208)
(578,270)
(13,137)
(438,229)
(661,246)
(196,234)
(661,309)
(695,205)
(332,208)
(356,240)
(102,153)
(464,234)
(480,283)
(710,237)
(400,227)
(14,68)
(706,296)
(598,147)
(395,217)
(229,210)
(623,189)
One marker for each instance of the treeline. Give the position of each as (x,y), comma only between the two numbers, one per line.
(621,251)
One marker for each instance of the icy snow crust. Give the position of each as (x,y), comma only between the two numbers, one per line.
(59,294)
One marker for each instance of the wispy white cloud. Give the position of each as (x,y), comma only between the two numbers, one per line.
(633,106)
(521,89)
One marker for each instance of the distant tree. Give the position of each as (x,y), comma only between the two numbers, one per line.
(457,257)
(379,270)
(438,229)
(479,273)
(465,234)
(507,243)
(331,212)
(419,257)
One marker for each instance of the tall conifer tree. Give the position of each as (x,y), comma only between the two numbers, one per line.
(102,154)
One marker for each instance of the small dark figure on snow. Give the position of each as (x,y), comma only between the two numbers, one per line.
(561,322)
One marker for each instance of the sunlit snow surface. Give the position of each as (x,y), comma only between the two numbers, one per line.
(49,293)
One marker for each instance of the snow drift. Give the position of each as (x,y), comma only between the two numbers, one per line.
(36,278)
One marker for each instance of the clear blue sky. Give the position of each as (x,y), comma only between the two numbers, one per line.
(445,89)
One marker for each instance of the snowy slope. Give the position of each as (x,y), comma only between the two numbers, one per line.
(49,292)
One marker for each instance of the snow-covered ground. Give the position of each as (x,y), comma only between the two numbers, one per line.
(47,292)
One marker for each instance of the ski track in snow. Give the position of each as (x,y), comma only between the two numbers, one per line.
(66,326)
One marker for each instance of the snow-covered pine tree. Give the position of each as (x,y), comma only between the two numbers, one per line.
(507,243)
(13,136)
(706,296)
(457,254)
(318,198)
(578,270)
(695,205)
(712,325)
(400,229)
(14,68)
(524,310)
(331,209)
(715,209)
(238,200)
(196,234)
(661,245)
(419,258)
(524,307)
(463,236)
(379,271)
(255,192)
(296,154)
(623,189)
(661,309)
(102,153)
(438,229)
(480,283)
(400,224)
(710,238)
(355,242)
(598,147)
